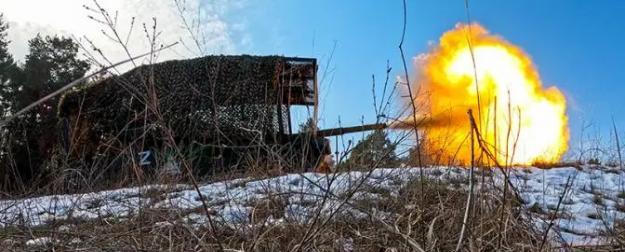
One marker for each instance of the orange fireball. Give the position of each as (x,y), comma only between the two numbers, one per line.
(522,121)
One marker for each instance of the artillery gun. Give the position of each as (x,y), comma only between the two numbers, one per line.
(230,108)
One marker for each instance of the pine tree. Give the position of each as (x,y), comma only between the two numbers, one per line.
(52,62)
(8,70)
(374,150)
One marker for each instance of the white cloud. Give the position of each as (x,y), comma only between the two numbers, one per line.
(69,17)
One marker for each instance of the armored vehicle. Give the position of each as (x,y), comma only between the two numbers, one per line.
(221,112)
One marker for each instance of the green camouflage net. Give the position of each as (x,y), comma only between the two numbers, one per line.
(229,97)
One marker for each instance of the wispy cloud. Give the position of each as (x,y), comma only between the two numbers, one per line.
(207,19)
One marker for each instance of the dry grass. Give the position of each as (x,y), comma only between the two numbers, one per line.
(425,215)
(393,223)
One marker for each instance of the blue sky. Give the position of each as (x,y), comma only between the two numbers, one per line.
(577,46)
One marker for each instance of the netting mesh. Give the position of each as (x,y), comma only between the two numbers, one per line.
(231,96)
(223,111)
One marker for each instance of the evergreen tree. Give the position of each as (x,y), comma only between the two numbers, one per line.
(412,159)
(8,70)
(52,62)
(374,150)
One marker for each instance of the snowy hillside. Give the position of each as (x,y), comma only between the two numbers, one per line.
(595,198)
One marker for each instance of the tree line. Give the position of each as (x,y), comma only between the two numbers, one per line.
(28,141)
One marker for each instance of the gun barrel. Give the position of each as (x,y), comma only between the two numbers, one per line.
(346,130)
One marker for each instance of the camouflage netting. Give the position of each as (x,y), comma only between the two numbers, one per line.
(215,100)
(227,94)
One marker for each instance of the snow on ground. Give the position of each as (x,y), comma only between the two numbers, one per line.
(592,202)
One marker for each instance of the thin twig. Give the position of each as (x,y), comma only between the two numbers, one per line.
(414,109)
(554,215)
(618,150)
(471,185)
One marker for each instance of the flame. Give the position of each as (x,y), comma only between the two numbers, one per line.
(522,122)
